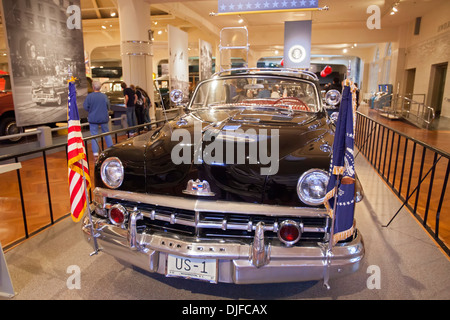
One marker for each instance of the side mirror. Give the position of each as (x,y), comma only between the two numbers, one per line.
(334,116)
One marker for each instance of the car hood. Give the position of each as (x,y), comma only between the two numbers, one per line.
(194,146)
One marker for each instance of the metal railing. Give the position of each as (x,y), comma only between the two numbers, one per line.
(395,106)
(44,153)
(415,171)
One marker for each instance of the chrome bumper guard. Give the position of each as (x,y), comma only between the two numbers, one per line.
(238,262)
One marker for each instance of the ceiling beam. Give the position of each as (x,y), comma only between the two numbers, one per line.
(97,10)
(183,12)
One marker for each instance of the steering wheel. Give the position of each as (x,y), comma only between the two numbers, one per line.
(293,102)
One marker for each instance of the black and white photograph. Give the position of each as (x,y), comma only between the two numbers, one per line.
(44,54)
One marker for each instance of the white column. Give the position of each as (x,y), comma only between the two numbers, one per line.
(136,45)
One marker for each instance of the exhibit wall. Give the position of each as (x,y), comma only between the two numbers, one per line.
(45,45)
(427,49)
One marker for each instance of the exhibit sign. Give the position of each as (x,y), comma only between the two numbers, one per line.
(206,62)
(297,44)
(178,60)
(241,6)
(45,46)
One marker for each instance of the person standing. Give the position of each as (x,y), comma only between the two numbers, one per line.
(97,105)
(140,105)
(147,104)
(130,101)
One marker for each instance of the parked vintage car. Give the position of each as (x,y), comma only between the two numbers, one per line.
(114,92)
(51,89)
(8,124)
(231,191)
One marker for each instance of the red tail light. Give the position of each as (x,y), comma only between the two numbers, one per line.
(289,232)
(117,214)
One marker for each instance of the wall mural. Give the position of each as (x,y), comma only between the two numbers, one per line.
(45,43)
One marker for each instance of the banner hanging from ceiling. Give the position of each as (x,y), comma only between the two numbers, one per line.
(205,60)
(45,46)
(297,44)
(178,60)
(228,6)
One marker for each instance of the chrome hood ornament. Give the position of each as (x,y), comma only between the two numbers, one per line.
(199,188)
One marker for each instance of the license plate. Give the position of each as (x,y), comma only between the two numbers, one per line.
(191,268)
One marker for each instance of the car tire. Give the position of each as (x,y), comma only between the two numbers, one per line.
(8,126)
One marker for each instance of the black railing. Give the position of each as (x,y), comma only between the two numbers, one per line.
(415,171)
(44,152)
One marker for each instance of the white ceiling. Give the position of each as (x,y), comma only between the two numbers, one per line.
(340,11)
(194,16)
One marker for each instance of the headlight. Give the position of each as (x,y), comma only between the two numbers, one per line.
(112,172)
(333,97)
(312,187)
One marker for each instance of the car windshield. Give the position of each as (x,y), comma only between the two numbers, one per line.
(257,91)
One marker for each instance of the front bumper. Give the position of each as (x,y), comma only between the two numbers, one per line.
(237,262)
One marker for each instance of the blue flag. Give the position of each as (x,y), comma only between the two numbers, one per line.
(342,170)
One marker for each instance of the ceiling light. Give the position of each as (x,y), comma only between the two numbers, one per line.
(113,13)
(276,51)
(344,51)
(392,13)
(159,32)
(241,20)
(394,9)
(103,27)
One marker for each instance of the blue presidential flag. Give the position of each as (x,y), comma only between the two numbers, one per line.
(341,187)
(264,5)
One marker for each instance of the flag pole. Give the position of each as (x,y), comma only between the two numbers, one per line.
(329,251)
(94,236)
(91,224)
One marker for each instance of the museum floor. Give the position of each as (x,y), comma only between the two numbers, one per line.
(411,264)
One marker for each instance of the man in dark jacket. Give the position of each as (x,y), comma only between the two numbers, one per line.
(97,105)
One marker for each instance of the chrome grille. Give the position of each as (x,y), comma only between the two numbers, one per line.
(217,225)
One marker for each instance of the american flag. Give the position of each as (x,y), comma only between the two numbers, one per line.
(342,170)
(77,162)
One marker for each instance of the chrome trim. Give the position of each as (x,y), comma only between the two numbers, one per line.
(132,230)
(219,206)
(260,251)
(303,263)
